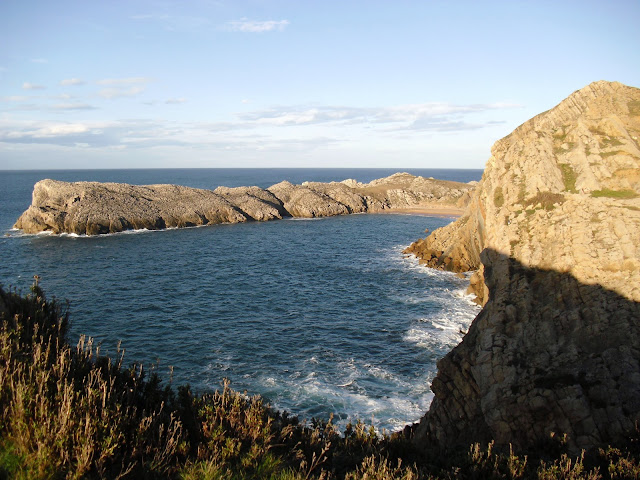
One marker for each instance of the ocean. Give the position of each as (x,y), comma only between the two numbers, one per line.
(320,317)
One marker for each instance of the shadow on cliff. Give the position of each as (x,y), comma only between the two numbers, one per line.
(546,354)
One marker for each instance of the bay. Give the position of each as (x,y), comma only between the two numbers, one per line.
(320,317)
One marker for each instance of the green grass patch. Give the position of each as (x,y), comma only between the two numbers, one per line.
(597,131)
(546,200)
(561,149)
(611,154)
(608,193)
(559,135)
(569,177)
(522,190)
(610,142)
(498,197)
(634,107)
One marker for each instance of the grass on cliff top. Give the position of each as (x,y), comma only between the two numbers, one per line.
(569,177)
(498,197)
(612,154)
(610,142)
(546,200)
(67,412)
(608,193)
(634,107)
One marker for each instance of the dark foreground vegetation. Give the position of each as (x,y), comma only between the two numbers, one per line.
(68,412)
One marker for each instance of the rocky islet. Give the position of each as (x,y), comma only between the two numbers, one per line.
(92,208)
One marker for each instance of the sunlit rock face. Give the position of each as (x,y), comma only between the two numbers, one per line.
(554,231)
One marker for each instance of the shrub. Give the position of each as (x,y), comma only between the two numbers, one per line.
(569,177)
(67,412)
(606,192)
(547,200)
(498,197)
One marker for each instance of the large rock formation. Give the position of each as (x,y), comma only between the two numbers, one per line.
(95,208)
(554,227)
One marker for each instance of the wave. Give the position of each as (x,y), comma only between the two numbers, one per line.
(344,402)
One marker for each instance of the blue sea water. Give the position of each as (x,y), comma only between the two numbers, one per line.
(320,317)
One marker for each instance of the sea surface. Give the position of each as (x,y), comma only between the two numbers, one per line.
(320,317)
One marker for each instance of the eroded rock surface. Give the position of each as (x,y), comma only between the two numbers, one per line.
(554,229)
(95,208)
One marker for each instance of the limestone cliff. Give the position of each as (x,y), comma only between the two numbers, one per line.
(95,208)
(554,227)
(559,191)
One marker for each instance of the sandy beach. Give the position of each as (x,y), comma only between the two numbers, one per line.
(426,210)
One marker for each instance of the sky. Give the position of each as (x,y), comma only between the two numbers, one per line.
(279,83)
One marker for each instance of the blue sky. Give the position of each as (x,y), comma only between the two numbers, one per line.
(275,83)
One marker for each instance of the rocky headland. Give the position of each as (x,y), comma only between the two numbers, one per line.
(92,208)
(553,230)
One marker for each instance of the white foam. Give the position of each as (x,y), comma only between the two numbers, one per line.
(134,231)
(379,372)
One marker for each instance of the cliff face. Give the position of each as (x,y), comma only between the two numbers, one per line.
(554,229)
(93,208)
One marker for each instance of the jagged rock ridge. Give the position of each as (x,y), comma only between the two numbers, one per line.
(554,229)
(93,208)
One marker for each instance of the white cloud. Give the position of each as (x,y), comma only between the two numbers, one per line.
(72,81)
(113,93)
(254,26)
(45,131)
(426,116)
(138,133)
(39,60)
(293,128)
(15,98)
(124,81)
(118,87)
(32,86)
(73,106)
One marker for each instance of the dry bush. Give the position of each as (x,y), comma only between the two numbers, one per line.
(67,412)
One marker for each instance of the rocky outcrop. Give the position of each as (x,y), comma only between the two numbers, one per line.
(301,201)
(554,229)
(255,203)
(93,208)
